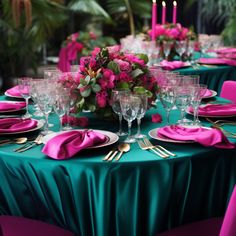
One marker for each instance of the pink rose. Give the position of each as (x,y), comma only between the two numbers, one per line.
(123,76)
(74,36)
(95,51)
(92,35)
(124,65)
(101,99)
(156,118)
(75,121)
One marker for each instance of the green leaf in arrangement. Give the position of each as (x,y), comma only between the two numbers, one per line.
(142,90)
(136,73)
(87,79)
(96,88)
(86,91)
(123,86)
(143,57)
(114,67)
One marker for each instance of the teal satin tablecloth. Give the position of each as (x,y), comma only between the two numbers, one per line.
(141,194)
(211,75)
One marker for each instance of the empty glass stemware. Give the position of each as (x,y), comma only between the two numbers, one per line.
(197,93)
(24,89)
(167,99)
(129,105)
(141,112)
(115,103)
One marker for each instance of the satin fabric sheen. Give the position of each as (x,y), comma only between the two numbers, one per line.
(206,137)
(10,125)
(67,144)
(7,106)
(141,194)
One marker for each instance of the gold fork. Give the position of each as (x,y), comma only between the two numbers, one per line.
(37,141)
(144,146)
(159,148)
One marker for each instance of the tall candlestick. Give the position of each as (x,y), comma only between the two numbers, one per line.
(154,19)
(174,12)
(163,12)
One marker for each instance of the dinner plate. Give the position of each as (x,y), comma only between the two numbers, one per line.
(211,116)
(12,96)
(110,138)
(153,134)
(213,94)
(40,124)
(11,110)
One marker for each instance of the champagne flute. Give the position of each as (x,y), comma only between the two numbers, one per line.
(115,103)
(197,93)
(141,112)
(24,89)
(129,106)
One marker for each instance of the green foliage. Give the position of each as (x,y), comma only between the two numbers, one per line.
(20,47)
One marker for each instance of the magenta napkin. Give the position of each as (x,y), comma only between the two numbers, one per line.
(10,125)
(217,61)
(14,91)
(208,93)
(67,144)
(206,137)
(217,110)
(8,106)
(226,50)
(172,65)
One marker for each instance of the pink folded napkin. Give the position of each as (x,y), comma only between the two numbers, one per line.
(8,106)
(10,125)
(208,93)
(206,137)
(217,61)
(226,50)
(14,91)
(67,144)
(172,65)
(217,110)
(227,55)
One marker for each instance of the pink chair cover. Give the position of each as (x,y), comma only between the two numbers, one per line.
(228,90)
(19,226)
(229,224)
(210,227)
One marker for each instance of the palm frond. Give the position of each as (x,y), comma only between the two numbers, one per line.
(89,7)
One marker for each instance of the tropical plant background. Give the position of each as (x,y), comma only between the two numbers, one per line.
(22,45)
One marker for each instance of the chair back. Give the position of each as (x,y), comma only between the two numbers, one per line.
(228,90)
(228,227)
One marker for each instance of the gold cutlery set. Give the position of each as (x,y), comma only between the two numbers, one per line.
(159,150)
(218,125)
(114,155)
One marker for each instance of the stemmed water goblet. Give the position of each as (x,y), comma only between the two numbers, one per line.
(167,98)
(129,106)
(24,89)
(167,48)
(141,112)
(182,101)
(197,93)
(115,103)
(180,48)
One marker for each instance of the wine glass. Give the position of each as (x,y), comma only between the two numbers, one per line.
(197,93)
(182,101)
(24,89)
(141,112)
(129,106)
(180,48)
(167,98)
(115,103)
(166,48)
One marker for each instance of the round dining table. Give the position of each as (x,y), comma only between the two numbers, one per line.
(141,194)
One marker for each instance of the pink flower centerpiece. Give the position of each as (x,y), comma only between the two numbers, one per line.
(172,33)
(107,69)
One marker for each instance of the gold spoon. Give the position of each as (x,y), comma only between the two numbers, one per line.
(123,147)
(19,140)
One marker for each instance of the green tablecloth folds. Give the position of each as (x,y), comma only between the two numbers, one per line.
(141,194)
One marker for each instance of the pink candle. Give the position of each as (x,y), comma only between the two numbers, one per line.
(163,12)
(174,12)
(154,19)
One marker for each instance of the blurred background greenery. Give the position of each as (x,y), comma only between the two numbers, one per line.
(31,30)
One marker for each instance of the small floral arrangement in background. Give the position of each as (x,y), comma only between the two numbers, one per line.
(107,69)
(172,32)
(80,44)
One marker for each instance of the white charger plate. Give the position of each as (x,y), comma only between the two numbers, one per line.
(111,138)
